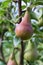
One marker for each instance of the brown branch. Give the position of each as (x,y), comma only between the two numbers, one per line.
(20,10)
(22,44)
(22,53)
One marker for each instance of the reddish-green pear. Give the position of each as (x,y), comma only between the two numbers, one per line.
(11,61)
(31,53)
(24,28)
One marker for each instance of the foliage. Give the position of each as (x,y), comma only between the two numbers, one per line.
(9,19)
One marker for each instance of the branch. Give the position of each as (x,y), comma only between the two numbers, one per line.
(17,48)
(20,10)
(22,44)
(22,53)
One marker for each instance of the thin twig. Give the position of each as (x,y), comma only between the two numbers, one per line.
(17,48)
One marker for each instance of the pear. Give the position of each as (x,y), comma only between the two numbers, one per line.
(24,28)
(11,61)
(31,53)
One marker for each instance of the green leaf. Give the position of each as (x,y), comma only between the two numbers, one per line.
(1,63)
(26,1)
(33,15)
(2,11)
(5,3)
(7,48)
(16,41)
(8,34)
(38,2)
(23,7)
